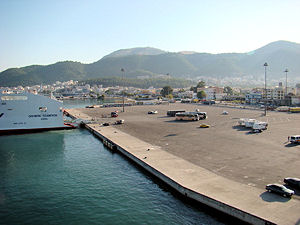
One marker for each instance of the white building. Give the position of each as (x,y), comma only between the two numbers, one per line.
(186,94)
(212,93)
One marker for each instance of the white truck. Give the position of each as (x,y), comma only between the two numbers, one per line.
(249,123)
(242,121)
(255,125)
(259,126)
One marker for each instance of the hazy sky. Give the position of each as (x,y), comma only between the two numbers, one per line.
(44,32)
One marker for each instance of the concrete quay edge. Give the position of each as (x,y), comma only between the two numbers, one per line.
(235,199)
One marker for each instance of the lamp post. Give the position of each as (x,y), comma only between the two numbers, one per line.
(123,71)
(265,65)
(286,71)
(168,83)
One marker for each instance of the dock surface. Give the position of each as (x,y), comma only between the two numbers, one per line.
(213,170)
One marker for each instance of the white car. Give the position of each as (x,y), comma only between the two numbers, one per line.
(152,112)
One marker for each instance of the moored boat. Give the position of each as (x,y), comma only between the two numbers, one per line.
(26,112)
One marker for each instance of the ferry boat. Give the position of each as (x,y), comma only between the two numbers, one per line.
(27,112)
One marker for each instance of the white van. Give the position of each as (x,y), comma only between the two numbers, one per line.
(295,139)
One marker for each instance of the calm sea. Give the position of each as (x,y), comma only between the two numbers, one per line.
(69,177)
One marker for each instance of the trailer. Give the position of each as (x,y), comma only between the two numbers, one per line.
(173,112)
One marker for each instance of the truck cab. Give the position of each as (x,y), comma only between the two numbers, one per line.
(295,139)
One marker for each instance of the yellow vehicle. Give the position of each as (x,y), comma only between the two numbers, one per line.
(295,109)
(204,126)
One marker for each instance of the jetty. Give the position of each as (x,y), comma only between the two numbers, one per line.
(175,163)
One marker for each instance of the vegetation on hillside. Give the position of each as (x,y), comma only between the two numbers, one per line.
(152,63)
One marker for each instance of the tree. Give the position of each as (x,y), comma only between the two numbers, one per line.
(201,95)
(167,90)
(228,90)
(201,84)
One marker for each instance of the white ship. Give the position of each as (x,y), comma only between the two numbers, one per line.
(26,112)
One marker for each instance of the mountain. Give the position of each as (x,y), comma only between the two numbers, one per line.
(136,51)
(31,75)
(241,68)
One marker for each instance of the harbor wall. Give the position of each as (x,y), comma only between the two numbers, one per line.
(203,199)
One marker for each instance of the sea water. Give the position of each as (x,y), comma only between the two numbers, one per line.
(69,177)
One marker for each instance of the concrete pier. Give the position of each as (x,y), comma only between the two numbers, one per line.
(245,202)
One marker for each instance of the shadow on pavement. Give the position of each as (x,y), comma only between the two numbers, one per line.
(240,128)
(271,197)
(170,135)
(180,121)
(290,145)
(164,117)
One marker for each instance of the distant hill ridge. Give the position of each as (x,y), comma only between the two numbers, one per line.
(136,51)
(151,62)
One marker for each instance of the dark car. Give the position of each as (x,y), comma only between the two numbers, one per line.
(119,122)
(279,189)
(114,114)
(293,182)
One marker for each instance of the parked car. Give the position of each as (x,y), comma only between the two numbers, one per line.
(114,114)
(119,122)
(204,126)
(105,124)
(280,189)
(152,112)
(294,182)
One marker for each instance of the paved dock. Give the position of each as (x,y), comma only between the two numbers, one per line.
(246,201)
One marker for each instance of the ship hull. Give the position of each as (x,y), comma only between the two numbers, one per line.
(26,112)
(35,130)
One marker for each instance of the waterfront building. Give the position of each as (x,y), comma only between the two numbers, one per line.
(253,97)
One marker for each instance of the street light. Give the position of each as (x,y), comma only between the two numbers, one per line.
(123,71)
(286,71)
(168,83)
(265,65)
